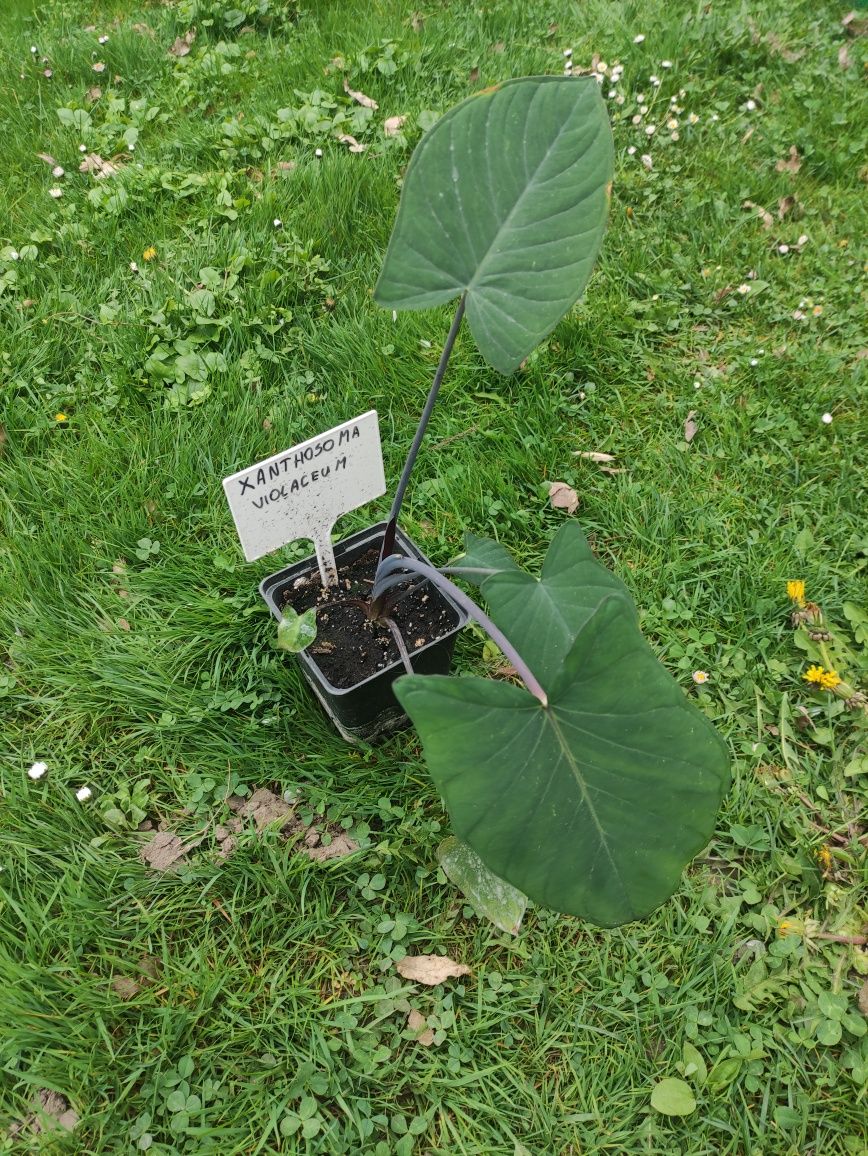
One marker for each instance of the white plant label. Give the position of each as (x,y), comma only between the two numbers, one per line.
(301,492)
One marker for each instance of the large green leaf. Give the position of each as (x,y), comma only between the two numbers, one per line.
(542,617)
(593,804)
(505,199)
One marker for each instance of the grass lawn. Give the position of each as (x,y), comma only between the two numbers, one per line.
(159,331)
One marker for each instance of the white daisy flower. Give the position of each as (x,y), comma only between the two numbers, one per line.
(37,770)
(55,193)
(639,38)
(700,676)
(826,419)
(83,794)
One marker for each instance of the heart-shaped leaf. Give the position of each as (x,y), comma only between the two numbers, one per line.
(505,199)
(594,803)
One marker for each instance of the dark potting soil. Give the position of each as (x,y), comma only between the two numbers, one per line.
(349,648)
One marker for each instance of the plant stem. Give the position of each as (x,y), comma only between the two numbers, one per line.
(389,537)
(521,668)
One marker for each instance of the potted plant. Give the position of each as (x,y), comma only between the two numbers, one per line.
(591,786)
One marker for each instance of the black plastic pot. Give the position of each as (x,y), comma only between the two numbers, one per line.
(369,710)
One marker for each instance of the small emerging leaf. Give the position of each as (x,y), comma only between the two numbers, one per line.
(295,632)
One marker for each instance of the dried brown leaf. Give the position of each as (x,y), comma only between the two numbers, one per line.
(417,21)
(359,97)
(430,969)
(93,93)
(854,24)
(93,163)
(393,125)
(354,145)
(181,46)
(265,808)
(417,1023)
(844,60)
(785,206)
(594,455)
(143,29)
(764,215)
(862,998)
(563,497)
(48,158)
(690,427)
(124,987)
(287,166)
(609,470)
(149,966)
(473,75)
(340,846)
(790,164)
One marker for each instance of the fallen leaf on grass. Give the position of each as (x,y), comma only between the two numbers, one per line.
(785,206)
(473,75)
(93,93)
(124,987)
(563,497)
(863,998)
(690,427)
(673,1098)
(166,850)
(392,125)
(354,145)
(265,808)
(93,163)
(359,97)
(430,969)
(340,846)
(593,456)
(764,215)
(286,166)
(790,164)
(181,46)
(417,21)
(48,158)
(854,25)
(416,1022)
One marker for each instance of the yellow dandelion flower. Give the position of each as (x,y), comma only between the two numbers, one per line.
(149,253)
(824,858)
(830,680)
(796,591)
(61,417)
(814,674)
